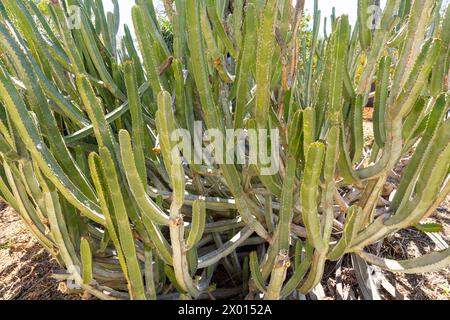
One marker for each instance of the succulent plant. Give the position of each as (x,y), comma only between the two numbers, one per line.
(90,162)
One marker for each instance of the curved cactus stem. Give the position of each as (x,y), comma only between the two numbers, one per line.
(86,261)
(349,92)
(33,9)
(299,273)
(427,263)
(270,182)
(215,256)
(144,202)
(101,128)
(44,60)
(20,202)
(7,150)
(47,163)
(110,117)
(413,169)
(60,235)
(443,193)
(165,122)
(315,273)
(159,241)
(257,277)
(123,224)
(369,201)
(71,49)
(198,224)
(348,234)
(432,177)
(171,275)
(429,182)
(105,137)
(47,120)
(180,263)
(413,121)
(6,193)
(309,193)
(24,172)
(100,184)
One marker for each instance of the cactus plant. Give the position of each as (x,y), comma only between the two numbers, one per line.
(90,162)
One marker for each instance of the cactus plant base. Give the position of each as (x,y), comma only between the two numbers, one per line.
(26,269)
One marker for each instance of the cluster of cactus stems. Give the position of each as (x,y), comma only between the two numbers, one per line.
(86,120)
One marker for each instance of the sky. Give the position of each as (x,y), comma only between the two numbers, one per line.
(348,7)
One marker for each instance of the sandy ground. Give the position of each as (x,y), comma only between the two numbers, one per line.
(25,267)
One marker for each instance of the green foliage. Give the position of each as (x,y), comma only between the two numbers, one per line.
(167,31)
(88,160)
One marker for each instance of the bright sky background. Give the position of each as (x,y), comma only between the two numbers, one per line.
(348,7)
